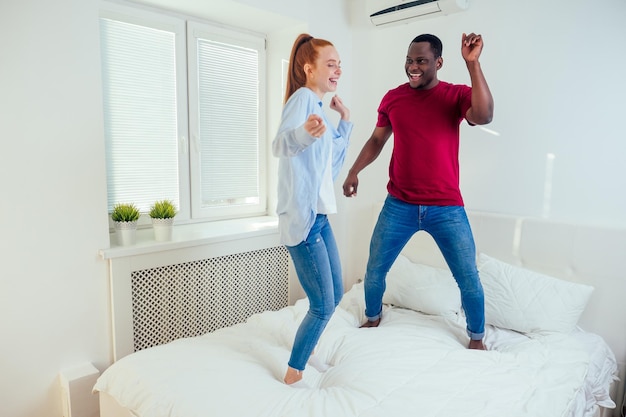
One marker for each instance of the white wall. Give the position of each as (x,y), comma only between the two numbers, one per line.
(53,290)
(558,88)
(53,217)
(556,72)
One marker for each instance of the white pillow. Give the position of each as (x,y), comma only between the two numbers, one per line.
(527,301)
(422,288)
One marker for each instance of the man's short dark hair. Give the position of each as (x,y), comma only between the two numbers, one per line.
(435,43)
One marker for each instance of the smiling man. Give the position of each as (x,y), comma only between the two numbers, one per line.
(424,115)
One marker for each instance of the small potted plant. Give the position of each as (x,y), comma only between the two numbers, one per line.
(125,216)
(162,213)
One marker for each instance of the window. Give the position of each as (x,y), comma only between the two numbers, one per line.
(183,115)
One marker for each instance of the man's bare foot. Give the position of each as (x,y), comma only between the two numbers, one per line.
(374,323)
(292,376)
(477,344)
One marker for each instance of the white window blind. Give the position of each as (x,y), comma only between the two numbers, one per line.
(139,81)
(183,115)
(228,122)
(226,112)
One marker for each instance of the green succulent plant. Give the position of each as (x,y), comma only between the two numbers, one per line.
(123,212)
(163,209)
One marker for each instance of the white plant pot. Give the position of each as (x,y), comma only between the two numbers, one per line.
(163,229)
(126,233)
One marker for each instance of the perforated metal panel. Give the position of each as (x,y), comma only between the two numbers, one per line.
(194,298)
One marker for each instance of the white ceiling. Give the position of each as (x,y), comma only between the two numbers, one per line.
(228,12)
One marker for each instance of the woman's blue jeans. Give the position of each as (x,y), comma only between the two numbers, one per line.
(450,228)
(317,264)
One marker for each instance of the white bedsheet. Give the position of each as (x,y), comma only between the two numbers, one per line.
(412,364)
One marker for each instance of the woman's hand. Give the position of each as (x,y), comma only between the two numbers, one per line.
(315,126)
(337,104)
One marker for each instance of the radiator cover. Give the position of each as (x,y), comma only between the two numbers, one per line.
(193,298)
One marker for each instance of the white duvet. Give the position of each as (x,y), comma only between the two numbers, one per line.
(411,365)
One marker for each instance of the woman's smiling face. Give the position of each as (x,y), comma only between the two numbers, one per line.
(322,77)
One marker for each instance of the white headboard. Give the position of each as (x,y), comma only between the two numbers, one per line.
(579,253)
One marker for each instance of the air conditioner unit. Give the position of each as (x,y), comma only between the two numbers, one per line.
(388,12)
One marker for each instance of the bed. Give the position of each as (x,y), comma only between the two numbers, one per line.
(539,361)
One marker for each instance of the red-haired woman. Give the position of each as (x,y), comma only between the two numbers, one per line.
(312,152)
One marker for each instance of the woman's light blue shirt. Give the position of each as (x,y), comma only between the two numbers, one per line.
(303,159)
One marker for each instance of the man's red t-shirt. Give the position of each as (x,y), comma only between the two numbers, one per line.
(424,166)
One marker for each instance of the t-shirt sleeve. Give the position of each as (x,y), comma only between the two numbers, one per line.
(465,99)
(383,116)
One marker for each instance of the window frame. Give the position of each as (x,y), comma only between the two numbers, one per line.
(197,30)
(190,210)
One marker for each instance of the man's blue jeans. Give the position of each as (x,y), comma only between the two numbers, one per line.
(319,271)
(450,228)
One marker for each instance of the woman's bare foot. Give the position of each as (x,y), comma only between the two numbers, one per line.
(292,376)
(477,344)
(374,323)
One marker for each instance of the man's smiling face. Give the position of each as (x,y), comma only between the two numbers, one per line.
(421,66)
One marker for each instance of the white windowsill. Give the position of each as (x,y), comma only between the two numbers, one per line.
(196,234)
